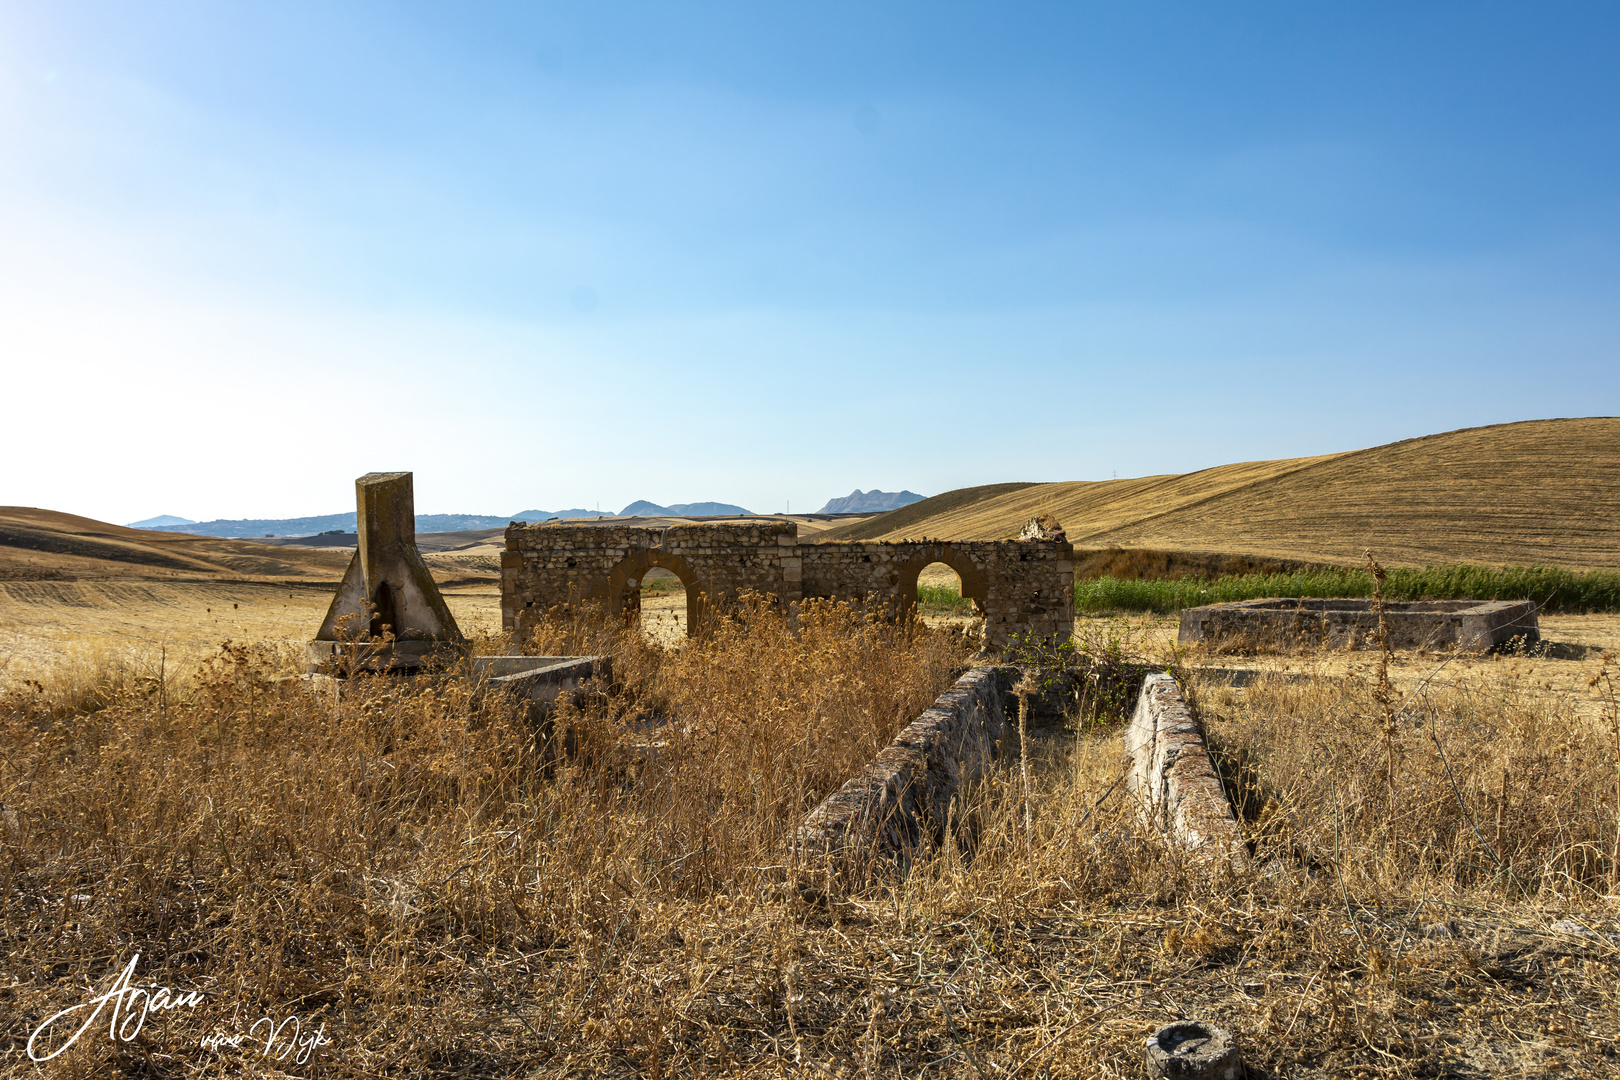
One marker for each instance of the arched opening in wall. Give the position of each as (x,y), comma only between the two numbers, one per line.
(663,606)
(940,599)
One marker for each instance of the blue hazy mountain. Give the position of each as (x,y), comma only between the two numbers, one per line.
(870,502)
(546,515)
(162,521)
(249,528)
(643,508)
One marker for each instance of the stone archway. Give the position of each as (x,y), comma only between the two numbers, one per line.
(973,579)
(635,565)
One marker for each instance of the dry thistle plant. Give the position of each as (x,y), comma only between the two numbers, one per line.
(1382,692)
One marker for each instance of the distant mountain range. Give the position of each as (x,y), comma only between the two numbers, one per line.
(856,502)
(249,528)
(870,502)
(162,521)
(643,508)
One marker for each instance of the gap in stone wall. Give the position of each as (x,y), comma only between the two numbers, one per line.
(663,606)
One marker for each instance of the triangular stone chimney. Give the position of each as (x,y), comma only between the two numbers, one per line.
(387,588)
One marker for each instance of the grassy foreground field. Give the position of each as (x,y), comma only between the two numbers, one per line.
(1539,493)
(439,892)
(441,889)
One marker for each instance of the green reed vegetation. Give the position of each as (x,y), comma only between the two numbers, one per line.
(942,600)
(1556,590)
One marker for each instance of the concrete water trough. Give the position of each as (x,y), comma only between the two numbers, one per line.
(1463,625)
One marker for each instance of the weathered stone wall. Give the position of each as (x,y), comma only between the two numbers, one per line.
(899,804)
(547,565)
(1021,587)
(1173,779)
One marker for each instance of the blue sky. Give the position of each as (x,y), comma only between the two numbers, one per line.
(550,256)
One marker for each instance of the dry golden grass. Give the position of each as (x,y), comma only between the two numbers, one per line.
(1480,495)
(415,869)
(43,621)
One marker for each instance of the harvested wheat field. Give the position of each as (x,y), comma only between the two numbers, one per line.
(1542,492)
(73,586)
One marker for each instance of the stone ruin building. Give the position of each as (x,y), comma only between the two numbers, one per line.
(1023,588)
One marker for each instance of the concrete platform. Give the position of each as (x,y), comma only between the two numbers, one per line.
(537,680)
(540,679)
(1463,625)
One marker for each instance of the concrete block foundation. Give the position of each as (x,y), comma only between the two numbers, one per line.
(1464,625)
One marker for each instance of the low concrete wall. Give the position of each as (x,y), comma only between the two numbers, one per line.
(540,679)
(536,680)
(899,803)
(1172,777)
(1472,625)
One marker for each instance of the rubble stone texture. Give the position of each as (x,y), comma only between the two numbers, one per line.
(1172,778)
(899,805)
(1021,587)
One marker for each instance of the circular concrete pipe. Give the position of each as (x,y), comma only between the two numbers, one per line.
(1189,1050)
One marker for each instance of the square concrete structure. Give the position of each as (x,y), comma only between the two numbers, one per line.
(1465,625)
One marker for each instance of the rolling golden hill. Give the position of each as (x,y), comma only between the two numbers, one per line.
(45,545)
(70,584)
(1537,492)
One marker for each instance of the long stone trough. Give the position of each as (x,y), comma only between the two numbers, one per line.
(899,803)
(1173,779)
(1465,625)
(897,807)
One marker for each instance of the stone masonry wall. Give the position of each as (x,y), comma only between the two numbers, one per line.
(899,805)
(1469,625)
(1172,778)
(546,565)
(1021,587)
